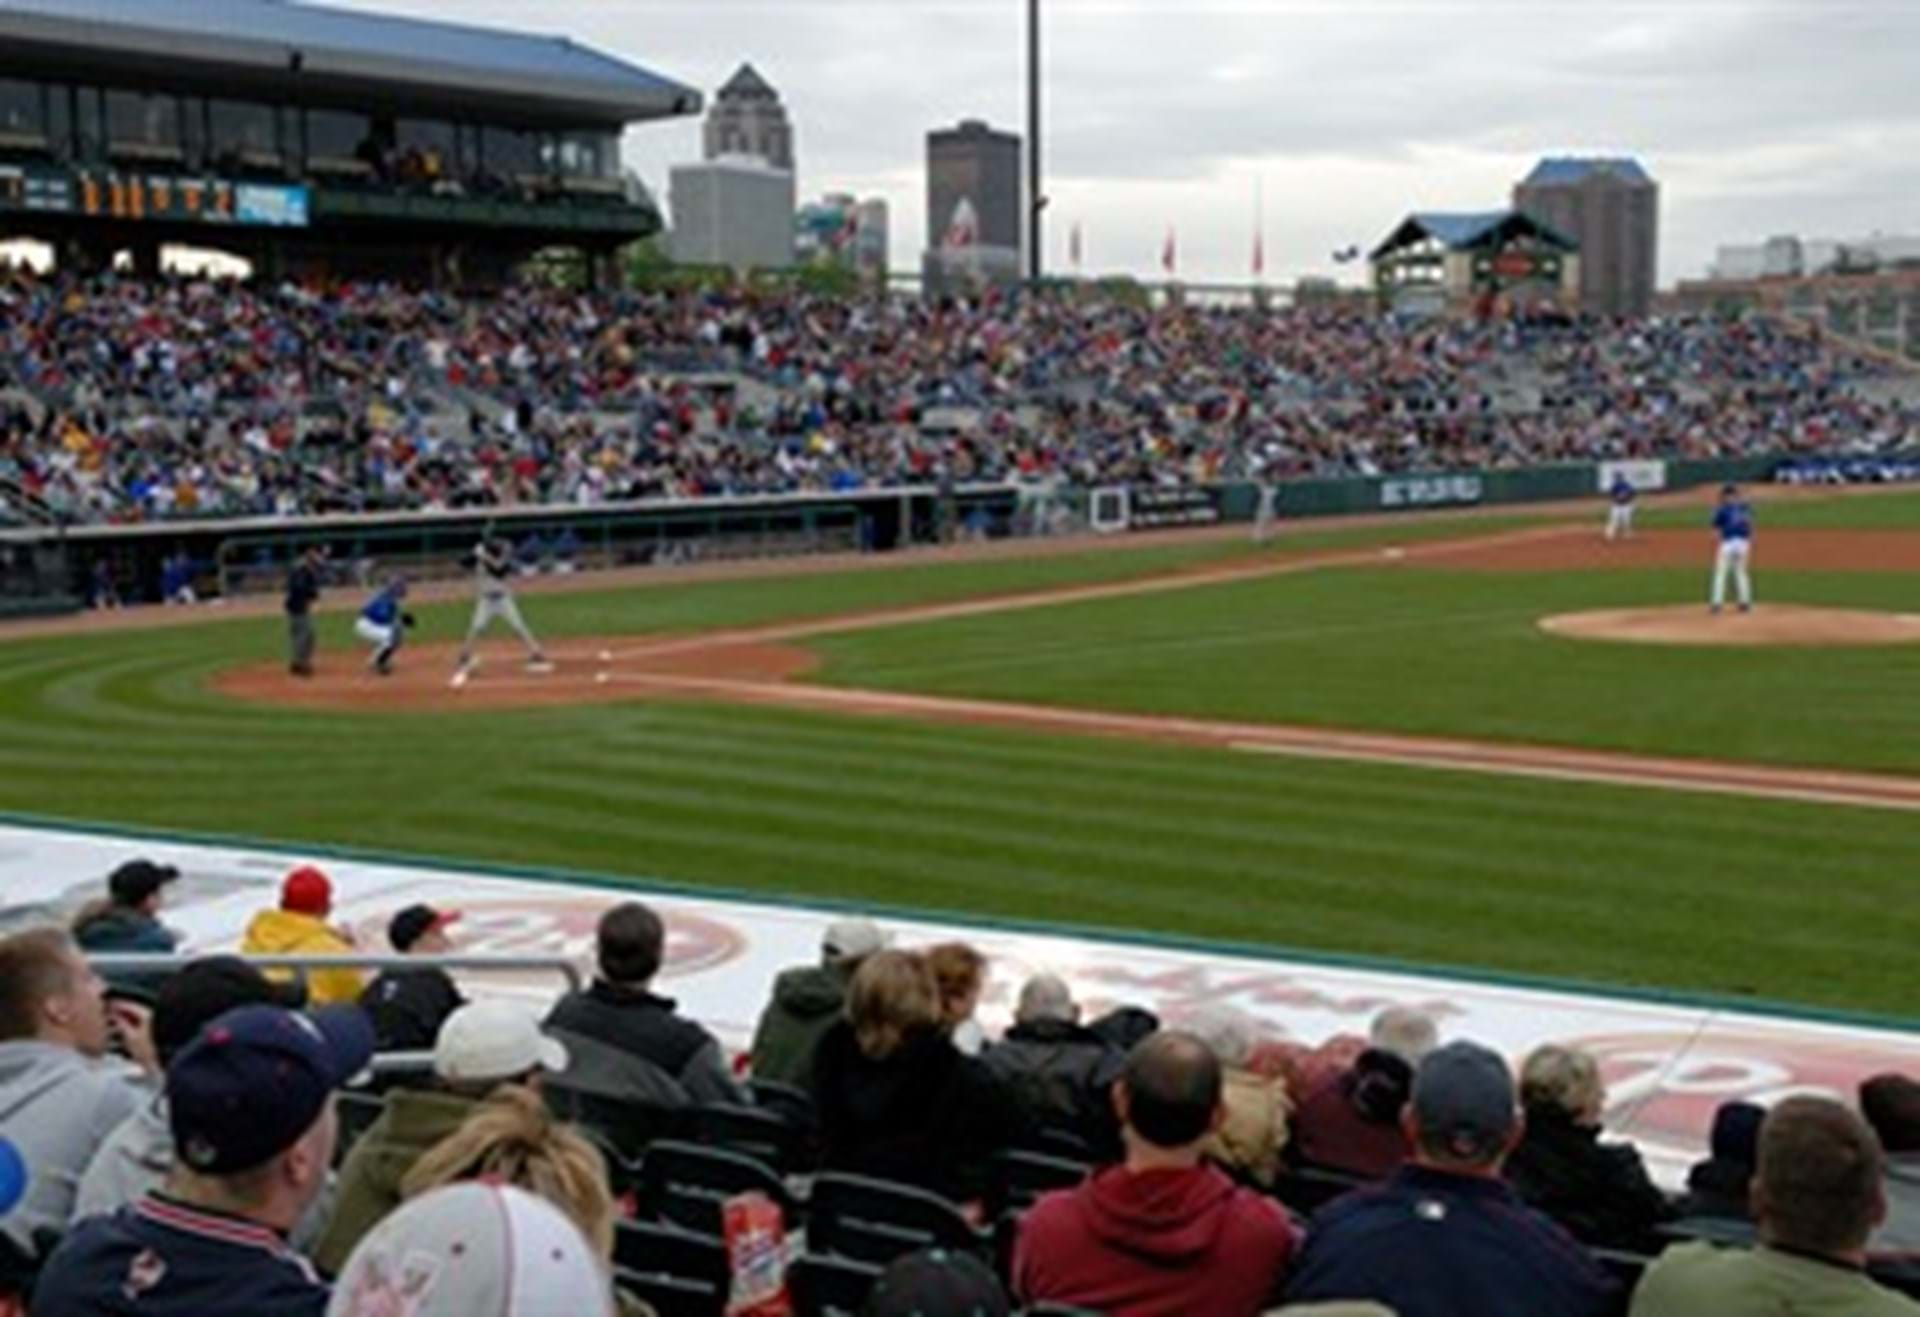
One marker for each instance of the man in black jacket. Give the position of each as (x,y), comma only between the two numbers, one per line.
(620,1012)
(303,589)
(408,1006)
(1060,1072)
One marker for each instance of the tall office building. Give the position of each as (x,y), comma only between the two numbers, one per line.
(974,204)
(1611,207)
(736,211)
(747,119)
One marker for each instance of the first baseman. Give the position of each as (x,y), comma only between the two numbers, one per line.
(1733,520)
(492,569)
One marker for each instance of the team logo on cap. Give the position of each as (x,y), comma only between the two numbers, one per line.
(384,1290)
(199,1153)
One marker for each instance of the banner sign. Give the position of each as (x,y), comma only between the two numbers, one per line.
(169,198)
(272,204)
(1644,476)
(1897,469)
(1668,1065)
(1431,491)
(1151,507)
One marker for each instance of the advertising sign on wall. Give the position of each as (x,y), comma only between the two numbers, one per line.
(1642,475)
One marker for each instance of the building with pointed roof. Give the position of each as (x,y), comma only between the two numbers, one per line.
(1477,261)
(1610,205)
(748,119)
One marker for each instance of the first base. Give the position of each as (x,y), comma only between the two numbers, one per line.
(459,679)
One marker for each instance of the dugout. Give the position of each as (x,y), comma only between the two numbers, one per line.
(1489,263)
(315,142)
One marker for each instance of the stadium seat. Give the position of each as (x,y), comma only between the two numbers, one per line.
(626,1127)
(680,1273)
(829,1286)
(795,1104)
(687,1184)
(766,1136)
(1015,1179)
(875,1221)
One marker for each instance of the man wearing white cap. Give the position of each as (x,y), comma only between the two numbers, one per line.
(474,1248)
(481,1046)
(807,1000)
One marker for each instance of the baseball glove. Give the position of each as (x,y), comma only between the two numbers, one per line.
(406,620)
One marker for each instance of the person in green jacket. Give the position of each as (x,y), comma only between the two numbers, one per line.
(1816,1196)
(481,1047)
(807,1000)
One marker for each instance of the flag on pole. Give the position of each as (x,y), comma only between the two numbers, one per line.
(1170,254)
(1259,253)
(1259,231)
(1075,246)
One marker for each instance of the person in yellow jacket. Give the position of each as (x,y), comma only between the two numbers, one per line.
(300,926)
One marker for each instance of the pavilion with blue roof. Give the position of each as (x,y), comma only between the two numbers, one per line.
(1434,261)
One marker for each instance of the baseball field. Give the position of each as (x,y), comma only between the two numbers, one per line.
(1418,739)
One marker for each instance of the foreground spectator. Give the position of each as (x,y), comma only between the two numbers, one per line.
(1599,1191)
(1445,1236)
(481,1047)
(299,927)
(807,1000)
(1249,1142)
(1350,1121)
(60,1094)
(1060,1072)
(1164,1233)
(138,1156)
(937,1282)
(961,973)
(1717,1187)
(251,1106)
(408,1006)
(129,920)
(1817,1196)
(621,1012)
(1891,1104)
(467,1249)
(896,1099)
(16,1267)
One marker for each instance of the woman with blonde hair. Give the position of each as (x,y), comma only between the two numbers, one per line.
(1251,1139)
(897,1100)
(1599,1191)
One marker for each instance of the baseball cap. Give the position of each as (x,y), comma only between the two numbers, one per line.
(136,880)
(937,1282)
(1464,1099)
(474,1247)
(13,1176)
(415,922)
(203,990)
(307,891)
(494,1040)
(256,1079)
(852,939)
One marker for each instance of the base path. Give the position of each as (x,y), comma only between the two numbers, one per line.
(1768,625)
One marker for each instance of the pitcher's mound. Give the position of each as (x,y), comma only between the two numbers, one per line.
(1767,624)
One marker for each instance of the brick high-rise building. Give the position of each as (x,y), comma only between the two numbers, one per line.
(1611,207)
(979,166)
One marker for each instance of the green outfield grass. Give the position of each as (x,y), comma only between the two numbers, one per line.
(1593,883)
(1870,509)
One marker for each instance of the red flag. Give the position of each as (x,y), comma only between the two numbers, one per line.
(1170,254)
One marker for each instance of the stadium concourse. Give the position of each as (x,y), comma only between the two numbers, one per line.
(129,401)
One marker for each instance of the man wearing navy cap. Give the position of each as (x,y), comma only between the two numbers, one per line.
(250,1101)
(408,1006)
(1446,1236)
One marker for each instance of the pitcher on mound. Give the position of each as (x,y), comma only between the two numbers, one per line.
(492,568)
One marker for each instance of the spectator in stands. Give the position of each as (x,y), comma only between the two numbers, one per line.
(408,1006)
(1817,1197)
(251,1105)
(129,920)
(298,926)
(1717,1187)
(620,1012)
(138,1156)
(1164,1233)
(1350,1121)
(896,1098)
(1060,1072)
(1599,1191)
(1404,1031)
(1891,1104)
(937,1282)
(469,1248)
(303,591)
(481,1049)
(1250,1140)
(60,1093)
(807,1000)
(1446,1236)
(961,973)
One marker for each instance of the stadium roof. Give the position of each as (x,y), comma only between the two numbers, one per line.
(1460,231)
(1558,171)
(343,50)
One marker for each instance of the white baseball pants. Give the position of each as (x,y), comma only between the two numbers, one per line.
(1731,560)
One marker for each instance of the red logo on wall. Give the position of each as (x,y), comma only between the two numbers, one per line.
(563,926)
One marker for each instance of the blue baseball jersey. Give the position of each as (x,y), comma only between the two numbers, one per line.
(1623,490)
(383,609)
(1734,521)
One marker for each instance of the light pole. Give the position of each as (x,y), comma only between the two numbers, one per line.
(1036,200)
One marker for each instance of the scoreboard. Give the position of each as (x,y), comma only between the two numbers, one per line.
(167,198)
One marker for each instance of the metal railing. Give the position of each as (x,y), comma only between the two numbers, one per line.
(120,961)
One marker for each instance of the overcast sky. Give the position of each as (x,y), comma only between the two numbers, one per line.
(1757,117)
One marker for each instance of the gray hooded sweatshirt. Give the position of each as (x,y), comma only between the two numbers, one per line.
(58,1106)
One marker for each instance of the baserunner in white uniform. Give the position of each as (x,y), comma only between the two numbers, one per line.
(492,568)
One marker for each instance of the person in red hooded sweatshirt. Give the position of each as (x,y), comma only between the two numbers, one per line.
(1164,1233)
